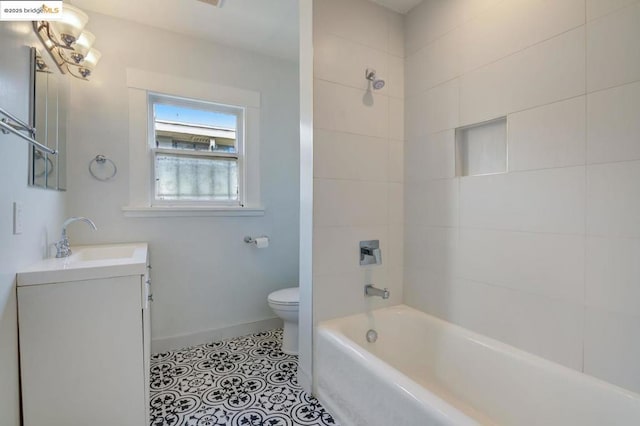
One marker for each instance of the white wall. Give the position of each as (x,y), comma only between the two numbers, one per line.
(358,141)
(204,276)
(43,209)
(544,257)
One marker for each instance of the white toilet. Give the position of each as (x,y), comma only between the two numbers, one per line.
(285,304)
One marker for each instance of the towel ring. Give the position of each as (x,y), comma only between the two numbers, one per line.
(102,160)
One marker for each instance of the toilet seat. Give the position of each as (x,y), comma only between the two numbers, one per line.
(285,297)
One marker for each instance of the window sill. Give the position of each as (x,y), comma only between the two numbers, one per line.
(191,211)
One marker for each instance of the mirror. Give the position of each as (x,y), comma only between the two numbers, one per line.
(49,101)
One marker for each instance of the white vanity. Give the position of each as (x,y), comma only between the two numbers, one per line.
(84,330)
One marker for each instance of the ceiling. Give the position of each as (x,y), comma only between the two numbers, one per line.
(268,27)
(400,6)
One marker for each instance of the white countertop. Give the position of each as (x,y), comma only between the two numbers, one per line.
(88,263)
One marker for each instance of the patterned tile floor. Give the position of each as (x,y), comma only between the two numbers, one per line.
(246,381)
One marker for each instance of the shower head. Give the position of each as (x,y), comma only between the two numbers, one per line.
(375,82)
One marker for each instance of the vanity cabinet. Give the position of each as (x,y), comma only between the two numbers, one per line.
(85,350)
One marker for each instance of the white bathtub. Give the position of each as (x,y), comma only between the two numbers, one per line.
(425,371)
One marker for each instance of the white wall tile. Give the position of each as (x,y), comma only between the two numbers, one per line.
(431,157)
(597,8)
(394,78)
(357,20)
(526,22)
(434,64)
(339,155)
(544,73)
(546,327)
(395,200)
(546,264)
(432,203)
(396,161)
(349,203)
(612,348)
(613,56)
(613,124)
(548,136)
(337,250)
(433,110)
(396,119)
(350,110)
(434,18)
(613,199)
(396,34)
(340,60)
(550,200)
(429,291)
(434,249)
(394,255)
(613,274)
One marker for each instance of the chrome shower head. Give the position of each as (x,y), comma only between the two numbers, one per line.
(377,83)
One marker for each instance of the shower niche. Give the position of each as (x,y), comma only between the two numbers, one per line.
(481,149)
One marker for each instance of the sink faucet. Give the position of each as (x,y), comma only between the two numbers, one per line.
(370,290)
(62,246)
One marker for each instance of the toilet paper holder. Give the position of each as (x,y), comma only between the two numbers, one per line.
(251,240)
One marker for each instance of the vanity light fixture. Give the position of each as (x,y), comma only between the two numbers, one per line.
(68,43)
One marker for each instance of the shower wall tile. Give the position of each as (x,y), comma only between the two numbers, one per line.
(396,119)
(432,203)
(433,111)
(431,157)
(350,110)
(549,200)
(548,327)
(547,72)
(598,8)
(613,274)
(396,161)
(340,60)
(527,22)
(396,34)
(612,347)
(356,20)
(358,154)
(549,136)
(349,203)
(549,265)
(432,248)
(613,55)
(339,155)
(336,250)
(613,199)
(435,63)
(613,124)
(434,18)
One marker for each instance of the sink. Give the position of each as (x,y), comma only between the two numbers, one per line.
(104,252)
(88,263)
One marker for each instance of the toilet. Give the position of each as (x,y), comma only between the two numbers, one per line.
(285,304)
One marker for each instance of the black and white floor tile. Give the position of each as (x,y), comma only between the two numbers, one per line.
(246,381)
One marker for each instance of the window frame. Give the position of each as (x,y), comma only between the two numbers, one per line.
(240,112)
(141,82)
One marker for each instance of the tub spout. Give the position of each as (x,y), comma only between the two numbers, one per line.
(370,290)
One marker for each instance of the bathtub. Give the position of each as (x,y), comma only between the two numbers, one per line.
(425,371)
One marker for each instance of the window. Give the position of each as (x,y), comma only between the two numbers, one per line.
(197,152)
(194,148)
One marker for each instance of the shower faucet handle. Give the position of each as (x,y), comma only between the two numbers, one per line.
(370,253)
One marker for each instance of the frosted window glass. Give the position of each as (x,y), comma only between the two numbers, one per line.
(482,148)
(196,178)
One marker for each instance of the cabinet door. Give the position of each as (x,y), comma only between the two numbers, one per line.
(81,353)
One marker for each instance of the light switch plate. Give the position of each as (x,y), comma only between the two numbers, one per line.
(18,217)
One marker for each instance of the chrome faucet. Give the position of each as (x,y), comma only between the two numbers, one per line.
(370,290)
(62,246)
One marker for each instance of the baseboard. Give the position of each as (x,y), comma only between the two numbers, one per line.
(304,379)
(164,344)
